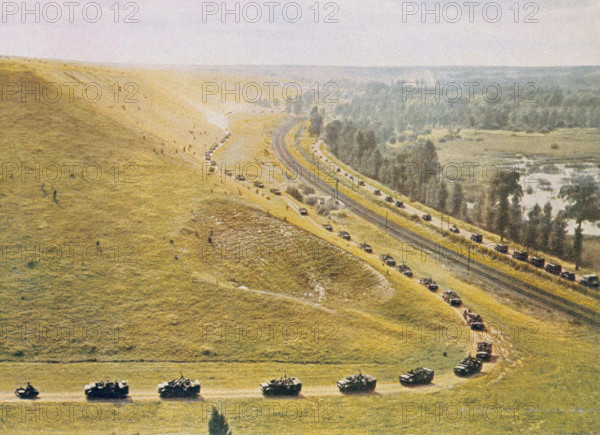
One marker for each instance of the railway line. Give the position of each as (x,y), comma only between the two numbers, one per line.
(482,271)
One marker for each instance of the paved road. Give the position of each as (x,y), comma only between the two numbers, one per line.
(482,271)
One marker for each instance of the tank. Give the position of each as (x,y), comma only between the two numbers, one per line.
(27,392)
(429,283)
(484,351)
(388,260)
(182,387)
(475,321)
(282,387)
(344,235)
(418,376)
(366,247)
(468,367)
(404,269)
(107,390)
(357,384)
(389,199)
(426,217)
(328,228)
(476,237)
(452,298)
(454,229)
(399,204)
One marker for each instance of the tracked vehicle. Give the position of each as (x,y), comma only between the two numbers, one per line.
(467,367)
(405,270)
(452,298)
(282,387)
(429,283)
(182,387)
(357,384)
(107,390)
(484,351)
(503,249)
(477,238)
(520,255)
(27,392)
(475,321)
(388,260)
(537,262)
(418,376)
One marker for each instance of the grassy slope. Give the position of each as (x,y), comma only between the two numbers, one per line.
(170,301)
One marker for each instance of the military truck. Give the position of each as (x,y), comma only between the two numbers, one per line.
(454,229)
(361,183)
(107,390)
(285,386)
(388,260)
(366,247)
(405,270)
(475,321)
(477,238)
(399,204)
(484,351)
(468,367)
(27,392)
(357,384)
(377,192)
(179,388)
(537,262)
(344,235)
(570,276)
(418,376)
(429,283)
(554,269)
(276,192)
(426,217)
(452,298)
(590,281)
(503,249)
(520,255)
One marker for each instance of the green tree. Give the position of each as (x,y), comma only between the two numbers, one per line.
(545,225)
(456,202)
(442,197)
(559,234)
(532,227)
(516,219)
(217,425)
(583,204)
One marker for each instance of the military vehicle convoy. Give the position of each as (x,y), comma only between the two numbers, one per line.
(468,366)
(503,249)
(107,390)
(484,351)
(537,262)
(285,386)
(344,235)
(590,281)
(429,283)
(569,276)
(520,255)
(357,384)
(179,388)
(454,229)
(328,228)
(366,247)
(389,199)
(475,321)
(554,269)
(405,270)
(27,392)
(399,204)
(477,238)
(452,298)
(418,376)
(426,217)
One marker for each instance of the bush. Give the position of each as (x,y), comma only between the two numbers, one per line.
(554,146)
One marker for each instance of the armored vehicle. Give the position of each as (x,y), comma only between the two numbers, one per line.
(454,229)
(399,204)
(276,192)
(554,269)
(27,392)
(389,199)
(475,321)
(328,228)
(426,217)
(484,351)
(452,298)
(282,387)
(259,185)
(503,249)
(107,390)
(418,376)
(429,283)
(357,384)
(366,247)
(590,281)
(476,237)
(404,269)
(388,260)
(303,212)
(377,192)
(537,261)
(567,275)
(361,183)
(520,255)
(182,387)
(240,178)
(344,235)
(468,367)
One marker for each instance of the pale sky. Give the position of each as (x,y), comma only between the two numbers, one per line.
(368,33)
